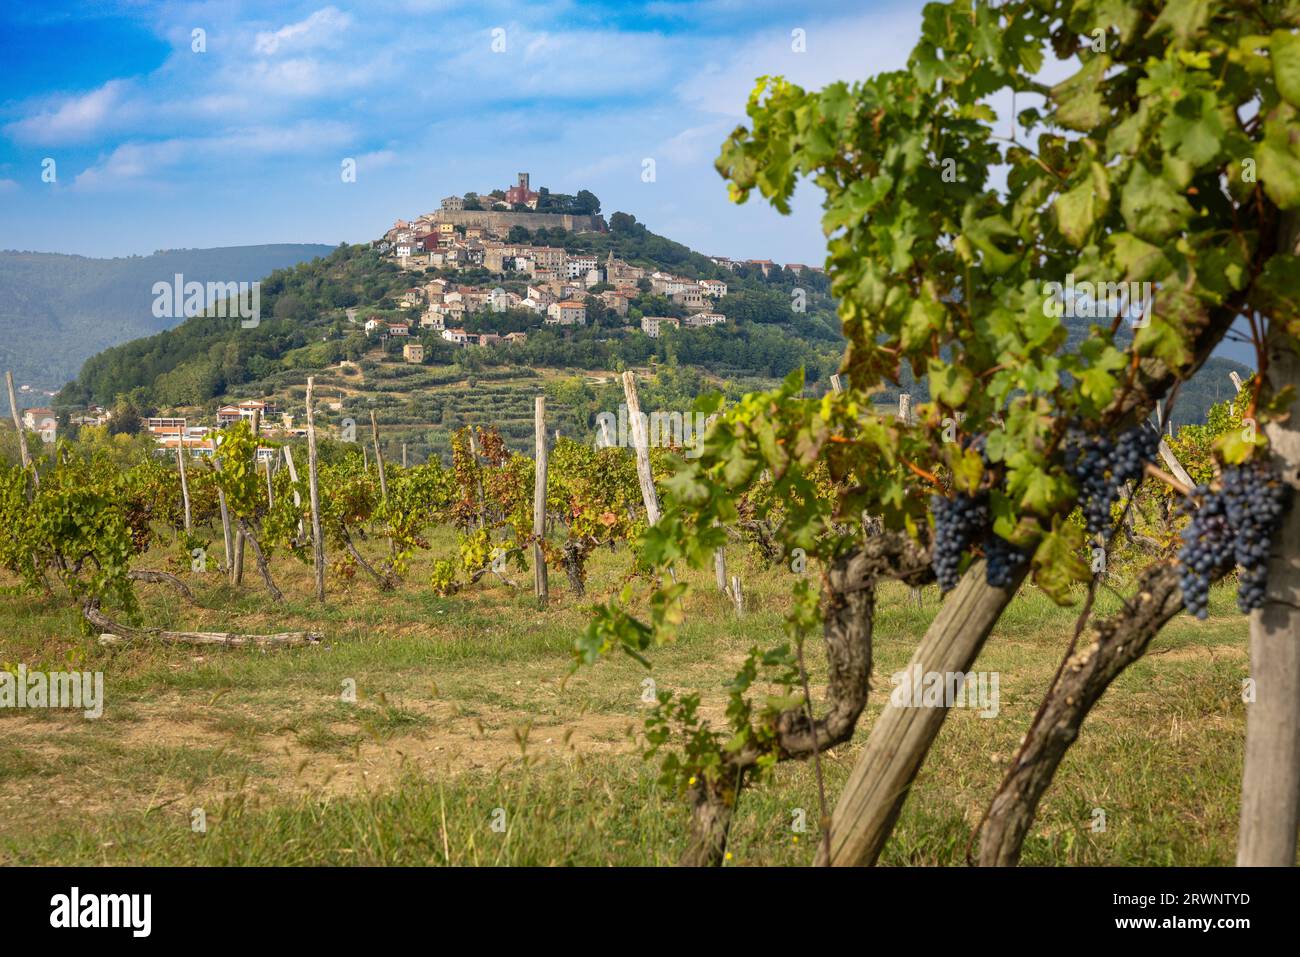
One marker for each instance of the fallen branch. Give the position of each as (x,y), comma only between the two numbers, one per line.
(114,633)
(161,578)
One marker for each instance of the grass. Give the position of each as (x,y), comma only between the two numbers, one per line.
(467,705)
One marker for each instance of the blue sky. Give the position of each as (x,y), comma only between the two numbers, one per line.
(158,146)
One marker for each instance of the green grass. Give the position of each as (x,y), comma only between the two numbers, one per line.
(468,704)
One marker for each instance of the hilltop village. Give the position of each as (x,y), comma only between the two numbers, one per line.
(493,234)
(514,278)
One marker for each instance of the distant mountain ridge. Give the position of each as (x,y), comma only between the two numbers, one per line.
(57,310)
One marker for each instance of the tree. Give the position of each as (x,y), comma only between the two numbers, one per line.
(1168,157)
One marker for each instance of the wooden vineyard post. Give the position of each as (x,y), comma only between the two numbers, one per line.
(901,736)
(478,478)
(641,448)
(293,477)
(317,544)
(403,455)
(17,420)
(737,595)
(227,539)
(379,457)
(237,575)
(837,384)
(1270,779)
(541,586)
(185,485)
(720,568)
(383,477)
(270,486)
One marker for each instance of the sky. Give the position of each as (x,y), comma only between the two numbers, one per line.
(154,144)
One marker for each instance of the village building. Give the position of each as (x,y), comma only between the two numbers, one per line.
(701,319)
(413,352)
(692,297)
(570,312)
(43,422)
(577,267)
(521,195)
(615,300)
(653,325)
(668,285)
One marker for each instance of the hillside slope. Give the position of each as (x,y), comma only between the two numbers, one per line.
(312,316)
(56,310)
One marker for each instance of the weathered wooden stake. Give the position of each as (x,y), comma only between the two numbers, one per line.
(837,383)
(18,422)
(641,447)
(738,595)
(383,476)
(226,534)
(478,478)
(541,586)
(1270,781)
(293,477)
(185,485)
(403,455)
(317,543)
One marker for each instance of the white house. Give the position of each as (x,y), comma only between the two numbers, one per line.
(570,312)
(651,325)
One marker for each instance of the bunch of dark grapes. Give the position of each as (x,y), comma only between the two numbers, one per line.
(958,521)
(1101,468)
(1233,526)
(1003,559)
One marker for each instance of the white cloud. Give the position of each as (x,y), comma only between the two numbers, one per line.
(74,119)
(843,49)
(137,161)
(320,28)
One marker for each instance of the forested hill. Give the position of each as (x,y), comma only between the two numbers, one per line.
(774,324)
(58,310)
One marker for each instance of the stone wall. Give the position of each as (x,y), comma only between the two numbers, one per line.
(500,222)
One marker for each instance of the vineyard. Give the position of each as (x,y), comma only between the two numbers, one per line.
(152,560)
(1023,620)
